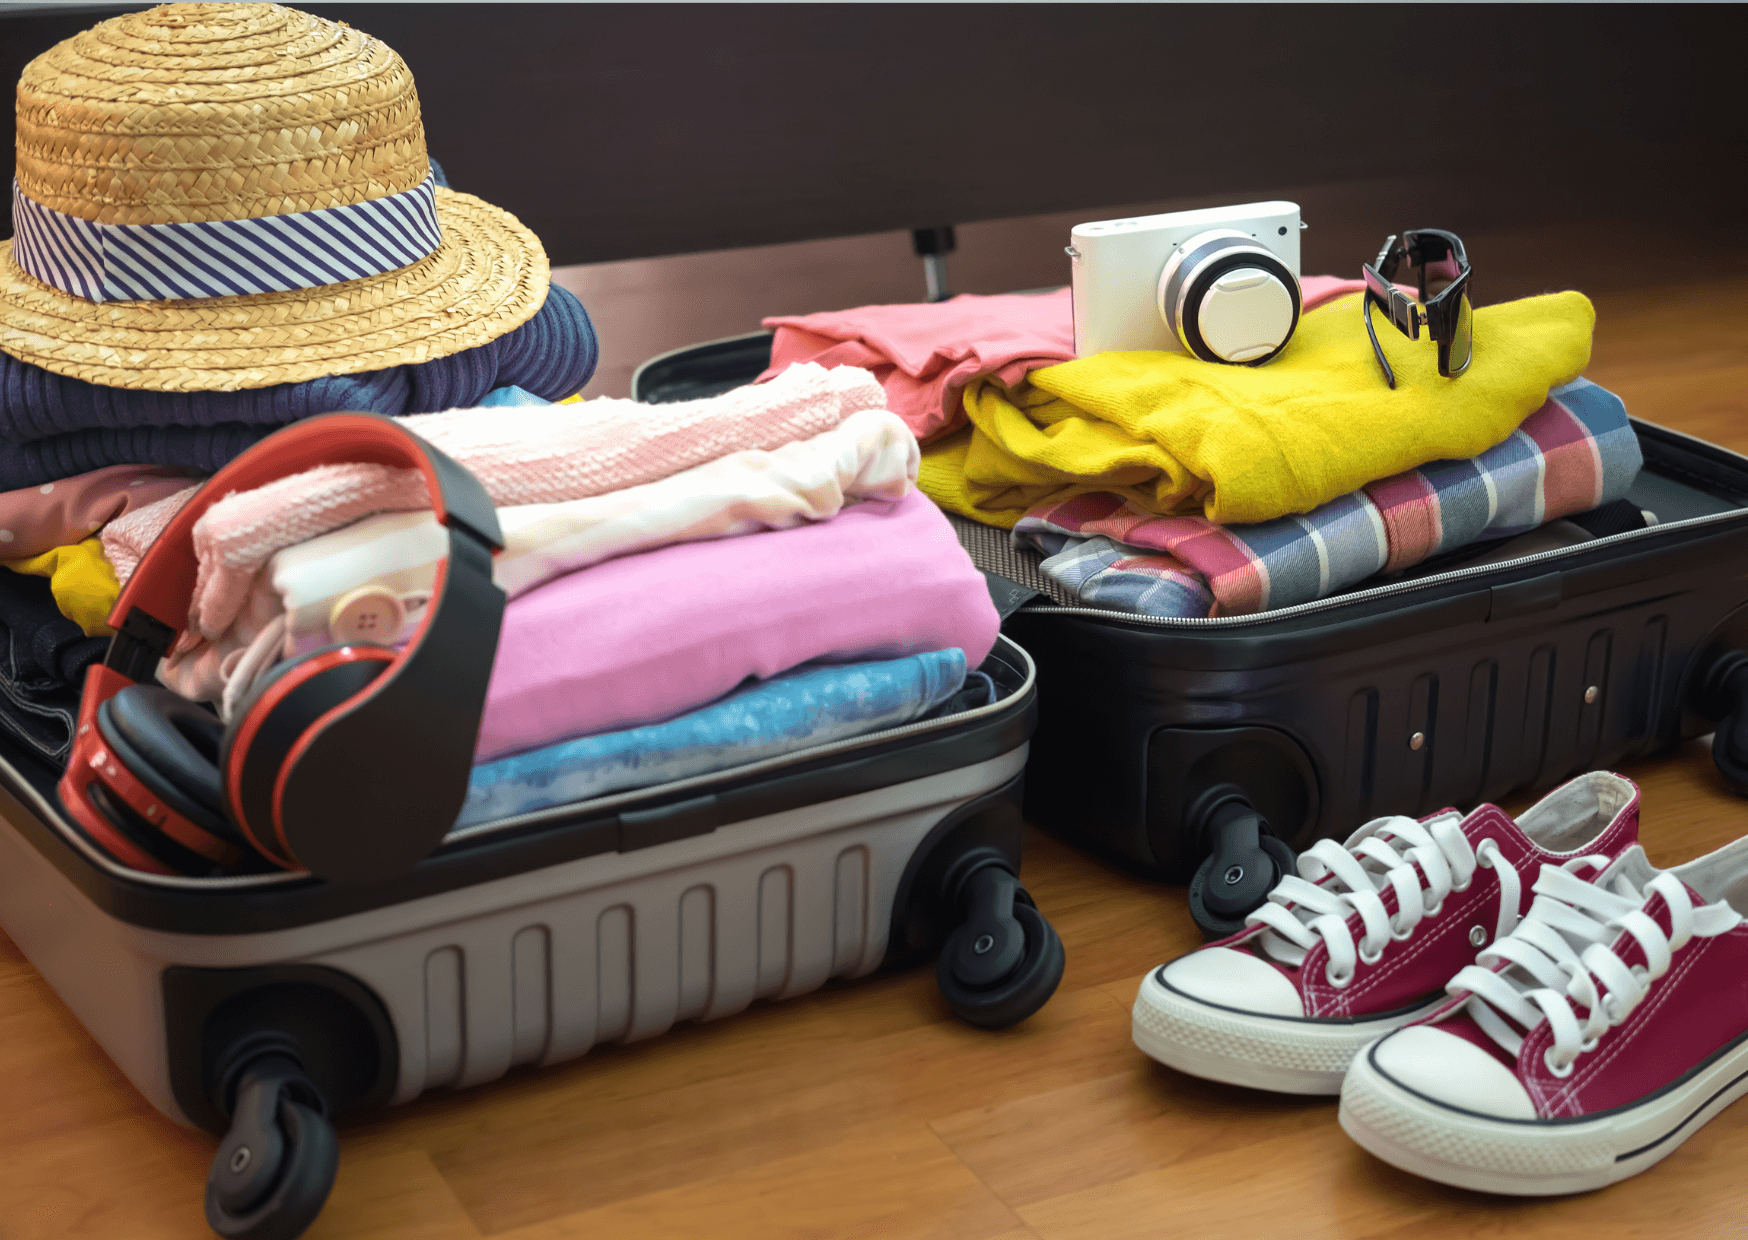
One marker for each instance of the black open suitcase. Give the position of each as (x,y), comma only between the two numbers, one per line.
(1200,750)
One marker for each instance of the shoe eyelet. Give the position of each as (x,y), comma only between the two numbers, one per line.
(1373,957)
(1433,910)
(1401,936)
(1589,1044)
(1339,981)
(1477,936)
(1557,1070)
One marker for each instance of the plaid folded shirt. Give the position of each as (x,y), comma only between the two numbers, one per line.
(1575,453)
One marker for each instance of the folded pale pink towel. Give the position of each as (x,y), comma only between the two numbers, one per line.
(525,455)
(925,354)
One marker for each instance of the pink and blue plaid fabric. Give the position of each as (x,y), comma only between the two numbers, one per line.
(1575,453)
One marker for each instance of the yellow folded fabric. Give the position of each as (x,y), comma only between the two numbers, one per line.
(82,581)
(1237,444)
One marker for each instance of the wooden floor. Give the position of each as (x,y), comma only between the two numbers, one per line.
(864,1110)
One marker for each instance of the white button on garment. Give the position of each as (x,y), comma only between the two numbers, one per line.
(367,614)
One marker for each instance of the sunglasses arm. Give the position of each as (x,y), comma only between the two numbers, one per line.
(1378,349)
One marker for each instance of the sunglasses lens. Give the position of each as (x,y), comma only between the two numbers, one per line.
(1463,337)
(1439,274)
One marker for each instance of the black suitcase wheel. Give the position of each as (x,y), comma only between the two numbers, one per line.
(1725,694)
(275,1167)
(1243,864)
(1004,961)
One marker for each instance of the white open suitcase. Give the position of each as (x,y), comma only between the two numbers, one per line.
(256,1007)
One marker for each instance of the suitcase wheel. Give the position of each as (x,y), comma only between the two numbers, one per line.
(1724,695)
(1004,961)
(275,1167)
(1243,864)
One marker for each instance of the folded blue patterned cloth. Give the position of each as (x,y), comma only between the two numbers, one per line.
(812,705)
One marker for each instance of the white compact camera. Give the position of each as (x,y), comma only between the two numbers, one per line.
(1221,284)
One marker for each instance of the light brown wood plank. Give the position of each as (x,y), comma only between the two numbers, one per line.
(631,1145)
(893,1180)
(388,1190)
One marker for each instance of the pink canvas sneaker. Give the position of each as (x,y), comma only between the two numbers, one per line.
(1364,942)
(1582,1048)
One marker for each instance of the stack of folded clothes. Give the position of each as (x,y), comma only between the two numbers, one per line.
(692,586)
(225,220)
(1154,483)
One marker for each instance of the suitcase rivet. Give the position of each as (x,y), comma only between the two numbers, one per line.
(240,1159)
(1417,740)
(983,944)
(1591,694)
(1478,935)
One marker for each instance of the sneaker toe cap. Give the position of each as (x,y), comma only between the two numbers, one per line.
(1234,979)
(1452,1070)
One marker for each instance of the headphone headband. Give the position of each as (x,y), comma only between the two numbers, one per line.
(153,608)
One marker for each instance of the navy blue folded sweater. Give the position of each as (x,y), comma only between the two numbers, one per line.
(53,427)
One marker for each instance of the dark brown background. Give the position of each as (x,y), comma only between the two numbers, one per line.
(622,131)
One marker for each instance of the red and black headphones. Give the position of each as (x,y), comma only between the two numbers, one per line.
(351,761)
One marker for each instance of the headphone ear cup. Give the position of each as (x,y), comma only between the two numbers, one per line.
(267,726)
(171,745)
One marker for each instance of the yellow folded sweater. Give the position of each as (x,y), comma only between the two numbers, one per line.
(82,581)
(1239,444)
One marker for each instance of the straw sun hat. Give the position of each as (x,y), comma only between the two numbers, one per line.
(222,196)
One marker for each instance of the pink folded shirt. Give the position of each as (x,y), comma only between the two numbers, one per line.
(58,514)
(925,354)
(650,636)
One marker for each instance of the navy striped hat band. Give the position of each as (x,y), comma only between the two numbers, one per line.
(223,258)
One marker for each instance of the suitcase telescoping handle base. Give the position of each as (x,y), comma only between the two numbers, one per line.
(1243,864)
(275,1167)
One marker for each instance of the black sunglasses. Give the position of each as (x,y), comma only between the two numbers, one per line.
(1442,273)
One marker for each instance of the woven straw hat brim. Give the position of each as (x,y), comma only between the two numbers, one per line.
(487,278)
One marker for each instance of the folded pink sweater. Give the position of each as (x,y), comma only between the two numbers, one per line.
(925,354)
(649,636)
(523,455)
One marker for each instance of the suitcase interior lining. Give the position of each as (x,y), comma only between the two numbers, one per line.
(624,821)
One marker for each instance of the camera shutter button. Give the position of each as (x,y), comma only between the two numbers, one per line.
(1246,314)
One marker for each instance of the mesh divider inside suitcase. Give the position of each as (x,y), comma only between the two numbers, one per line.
(992,551)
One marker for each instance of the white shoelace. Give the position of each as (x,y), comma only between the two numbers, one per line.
(1561,958)
(1303,908)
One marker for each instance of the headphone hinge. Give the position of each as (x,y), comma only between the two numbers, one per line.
(138,645)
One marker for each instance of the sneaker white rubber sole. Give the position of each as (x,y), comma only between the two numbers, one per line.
(1278,1053)
(1533,1158)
